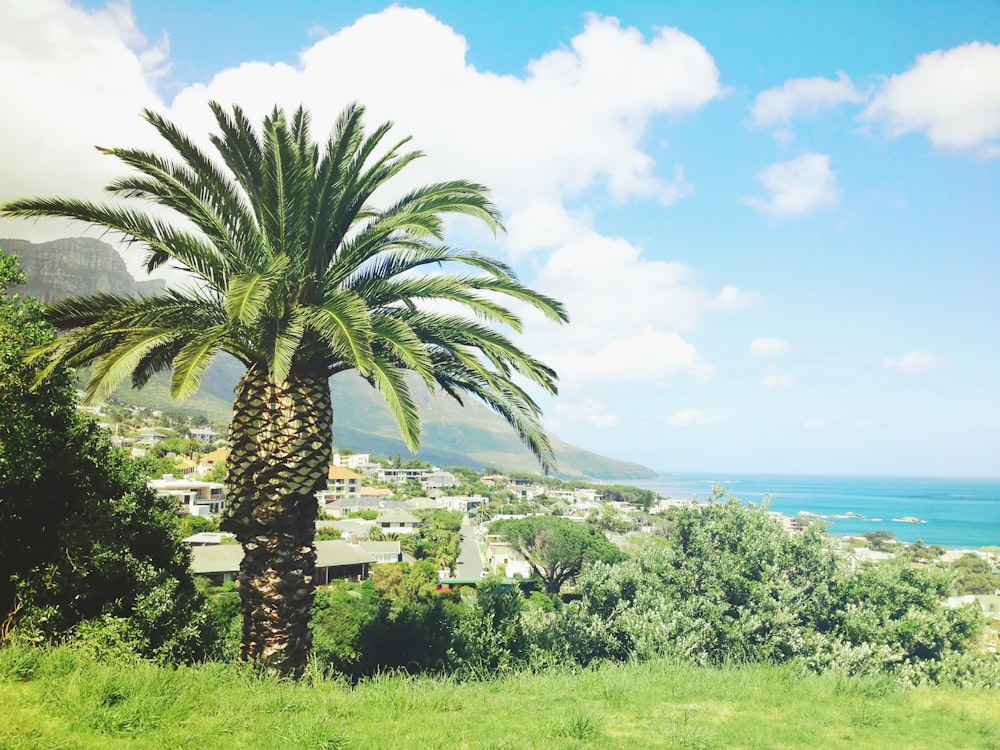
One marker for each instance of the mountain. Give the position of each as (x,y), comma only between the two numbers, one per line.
(67,267)
(453,435)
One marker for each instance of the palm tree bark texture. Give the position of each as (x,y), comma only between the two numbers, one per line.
(280,451)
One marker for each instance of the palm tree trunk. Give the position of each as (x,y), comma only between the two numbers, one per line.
(281,446)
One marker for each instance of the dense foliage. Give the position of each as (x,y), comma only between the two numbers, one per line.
(393,621)
(556,548)
(730,585)
(82,538)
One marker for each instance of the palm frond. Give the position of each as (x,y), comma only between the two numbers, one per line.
(115,366)
(191,362)
(390,381)
(249,293)
(285,343)
(343,321)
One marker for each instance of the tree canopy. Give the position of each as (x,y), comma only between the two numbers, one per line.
(556,548)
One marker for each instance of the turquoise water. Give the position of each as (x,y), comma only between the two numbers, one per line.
(957,512)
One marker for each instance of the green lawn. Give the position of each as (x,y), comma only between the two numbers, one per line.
(59,699)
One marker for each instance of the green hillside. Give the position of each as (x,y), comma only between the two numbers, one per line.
(469,435)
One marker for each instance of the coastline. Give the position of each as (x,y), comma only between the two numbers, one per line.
(952,513)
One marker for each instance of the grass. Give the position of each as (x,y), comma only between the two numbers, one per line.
(60,699)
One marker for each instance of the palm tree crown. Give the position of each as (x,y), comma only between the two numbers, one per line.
(294,267)
(295,273)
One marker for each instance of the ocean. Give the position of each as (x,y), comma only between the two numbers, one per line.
(962,513)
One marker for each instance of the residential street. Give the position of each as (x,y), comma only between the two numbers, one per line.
(470,562)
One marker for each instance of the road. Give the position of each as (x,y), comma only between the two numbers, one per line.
(470,562)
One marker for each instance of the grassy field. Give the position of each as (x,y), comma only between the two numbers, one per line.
(62,699)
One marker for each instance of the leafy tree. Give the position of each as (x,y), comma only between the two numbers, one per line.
(82,538)
(556,548)
(490,637)
(729,584)
(466,474)
(367,515)
(622,493)
(889,618)
(218,473)
(974,576)
(881,541)
(394,621)
(190,525)
(300,277)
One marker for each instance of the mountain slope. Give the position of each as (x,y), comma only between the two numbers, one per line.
(452,434)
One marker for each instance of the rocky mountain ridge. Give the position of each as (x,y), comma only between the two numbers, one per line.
(74,266)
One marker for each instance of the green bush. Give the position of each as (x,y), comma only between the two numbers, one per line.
(490,637)
(731,585)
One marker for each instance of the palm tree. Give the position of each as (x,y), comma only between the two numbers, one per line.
(296,274)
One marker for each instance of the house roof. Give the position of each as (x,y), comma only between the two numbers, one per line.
(375,492)
(216,558)
(219,454)
(334,553)
(391,548)
(354,526)
(423,503)
(366,503)
(396,516)
(342,472)
(225,558)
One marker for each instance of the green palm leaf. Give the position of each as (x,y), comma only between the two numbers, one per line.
(192,361)
(248,293)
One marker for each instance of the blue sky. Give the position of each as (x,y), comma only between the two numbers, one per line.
(775,224)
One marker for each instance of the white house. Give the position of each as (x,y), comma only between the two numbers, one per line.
(341,484)
(352,460)
(399,476)
(204,434)
(397,522)
(464,503)
(526,491)
(193,497)
(438,479)
(502,559)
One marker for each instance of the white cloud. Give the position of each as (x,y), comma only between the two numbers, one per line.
(813,425)
(627,313)
(769,347)
(69,80)
(543,224)
(695,417)
(575,120)
(589,412)
(610,287)
(952,95)
(802,95)
(797,187)
(647,355)
(916,362)
(783,381)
